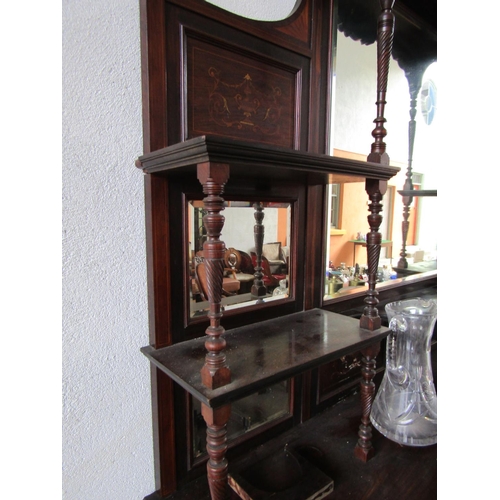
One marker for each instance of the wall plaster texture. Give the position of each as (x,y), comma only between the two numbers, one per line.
(107,436)
(106,418)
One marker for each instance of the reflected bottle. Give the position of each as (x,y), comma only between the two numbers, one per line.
(282,289)
(405,407)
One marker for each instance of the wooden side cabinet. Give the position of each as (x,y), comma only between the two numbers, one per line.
(226,366)
(236,112)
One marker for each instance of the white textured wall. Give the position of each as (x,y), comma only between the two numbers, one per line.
(107,441)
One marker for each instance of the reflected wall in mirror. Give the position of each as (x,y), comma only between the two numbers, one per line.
(353,111)
(257,263)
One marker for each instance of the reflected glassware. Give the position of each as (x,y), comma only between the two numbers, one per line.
(405,407)
(282,289)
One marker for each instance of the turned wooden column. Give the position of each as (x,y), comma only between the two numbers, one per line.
(213,176)
(364,449)
(385,39)
(377,188)
(215,373)
(216,420)
(414,78)
(258,287)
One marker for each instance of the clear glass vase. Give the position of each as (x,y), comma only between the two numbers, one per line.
(405,407)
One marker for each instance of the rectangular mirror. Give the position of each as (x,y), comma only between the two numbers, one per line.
(248,280)
(247,414)
(412,144)
(346,259)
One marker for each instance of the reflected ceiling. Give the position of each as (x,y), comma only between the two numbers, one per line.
(415,36)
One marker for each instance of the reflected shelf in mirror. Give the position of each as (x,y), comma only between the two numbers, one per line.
(235,302)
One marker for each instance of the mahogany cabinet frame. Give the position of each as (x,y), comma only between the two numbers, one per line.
(289,64)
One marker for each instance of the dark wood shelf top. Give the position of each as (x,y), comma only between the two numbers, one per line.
(418,192)
(265,353)
(248,158)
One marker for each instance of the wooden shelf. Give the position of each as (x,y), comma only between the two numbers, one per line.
(418,192)
(260,160)
(266,353)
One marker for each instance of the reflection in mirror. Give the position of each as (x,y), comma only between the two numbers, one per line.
(352,114)
(272,10)
(257,268)
(247,414)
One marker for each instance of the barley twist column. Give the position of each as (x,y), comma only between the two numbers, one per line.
(408,185)
(415,83)
(364,449)
(377,188)
(213,176)
(385,38)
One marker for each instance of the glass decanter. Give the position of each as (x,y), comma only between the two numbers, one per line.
(405,407)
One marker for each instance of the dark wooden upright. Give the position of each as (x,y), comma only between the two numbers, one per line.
(375,188)
(414,77)
(215,372)
(213,177)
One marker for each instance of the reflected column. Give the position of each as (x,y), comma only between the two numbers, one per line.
(258,287)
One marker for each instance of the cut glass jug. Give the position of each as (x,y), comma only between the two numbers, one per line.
(405,407)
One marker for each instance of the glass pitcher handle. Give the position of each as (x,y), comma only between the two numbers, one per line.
(396,370)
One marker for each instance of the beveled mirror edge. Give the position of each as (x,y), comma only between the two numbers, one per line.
(294,202)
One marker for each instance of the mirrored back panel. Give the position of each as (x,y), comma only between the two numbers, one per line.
(261,233)
(257,265)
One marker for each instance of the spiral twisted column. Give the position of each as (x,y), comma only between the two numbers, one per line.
(364,449)
(258,287)
(415,83)
(213,176)
(375,189)
(385,39)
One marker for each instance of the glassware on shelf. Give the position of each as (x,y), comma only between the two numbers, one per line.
(405,406)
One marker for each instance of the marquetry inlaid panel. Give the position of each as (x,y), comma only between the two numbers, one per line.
(234,94)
